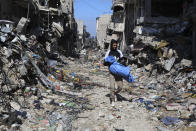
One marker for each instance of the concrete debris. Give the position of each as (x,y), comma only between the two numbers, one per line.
(52,75)
(15,105)
(169,64)
(38,90)
(148,67)
(162,129)
(58,29)
(160,46)
(186,63)
(22,25)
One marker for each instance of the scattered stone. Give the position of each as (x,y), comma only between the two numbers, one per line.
(15,105)
(173,107)
(186,63)
(148,67)
(169,63)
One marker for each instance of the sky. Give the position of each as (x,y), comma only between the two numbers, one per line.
(89,10)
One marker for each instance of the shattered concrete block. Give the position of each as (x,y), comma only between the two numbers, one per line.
(164,52)
(23,38)
(192,124)
(25,128)
(57,28)
(6,52)
(15,40)
(173,107)
(170,53)
(23,70)
(3,38)
(186,62)
(59,128)
(148,67)
(15,105)
(48,47)
(21,25)
(191,101)
(184,114)
(169,63)
(162,129)
(192,107)
(6,29)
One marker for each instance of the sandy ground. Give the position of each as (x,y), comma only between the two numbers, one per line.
(125,116)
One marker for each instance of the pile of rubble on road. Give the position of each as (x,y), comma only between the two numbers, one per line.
(38,90)
(161,59)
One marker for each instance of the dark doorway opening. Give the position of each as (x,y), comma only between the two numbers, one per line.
(167,8)
(106,45)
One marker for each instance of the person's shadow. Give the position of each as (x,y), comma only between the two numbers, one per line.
(120,98)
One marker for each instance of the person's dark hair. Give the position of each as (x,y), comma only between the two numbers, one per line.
(111,44)
(113,41)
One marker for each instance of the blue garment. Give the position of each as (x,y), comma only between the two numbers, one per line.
(110,59)
(119,69)
(170,120)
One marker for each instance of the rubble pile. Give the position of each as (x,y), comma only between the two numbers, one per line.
(37,92)
(161,60)
(166,95)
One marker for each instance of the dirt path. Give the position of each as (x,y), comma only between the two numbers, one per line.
(126,115)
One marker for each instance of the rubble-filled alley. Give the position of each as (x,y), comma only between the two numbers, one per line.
(55,76)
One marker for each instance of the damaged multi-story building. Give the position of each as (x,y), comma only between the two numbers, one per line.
(51,21)
(122,22)
(102,23)
(153,21)
(81,31)
(175,25)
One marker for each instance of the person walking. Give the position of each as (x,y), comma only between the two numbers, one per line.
(116,81)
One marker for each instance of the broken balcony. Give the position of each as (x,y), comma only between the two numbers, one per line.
(119,1)
(117,27)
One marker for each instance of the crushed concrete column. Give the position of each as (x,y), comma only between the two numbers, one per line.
(21,27)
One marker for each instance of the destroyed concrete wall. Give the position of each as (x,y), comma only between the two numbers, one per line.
(127,14)
(67,6)
(80,25)
(117,26)
(102,23)
(122,22)
(52,19)
(81,34)
(119,1)
(159,19)
(153,8)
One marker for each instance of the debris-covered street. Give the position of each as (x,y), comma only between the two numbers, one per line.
(135,71)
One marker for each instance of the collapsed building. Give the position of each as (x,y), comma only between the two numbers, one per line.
(81,29)
(102,23)
(32,34)
(52,22)
(154,22)
(120,20)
